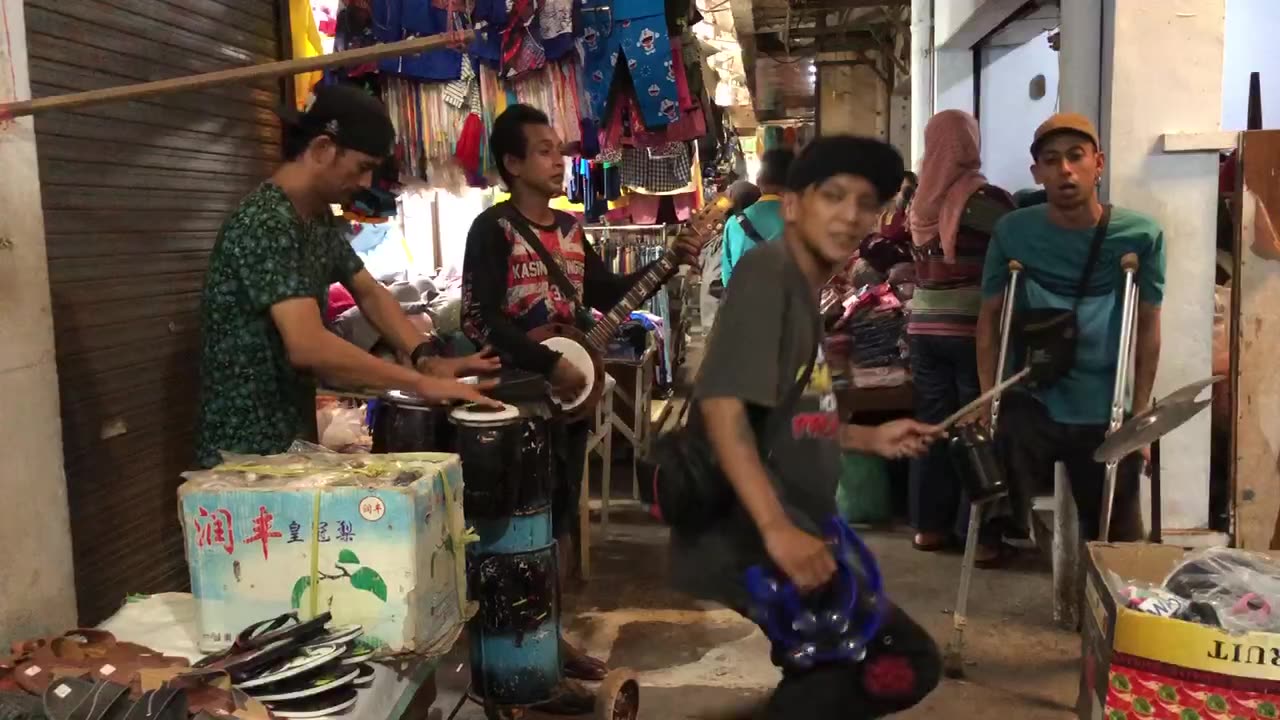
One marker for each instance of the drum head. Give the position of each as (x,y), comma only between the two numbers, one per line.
(472,414)
(579,358)
(404,399)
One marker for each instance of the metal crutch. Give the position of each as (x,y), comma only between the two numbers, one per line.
(953,661)
(1128,321)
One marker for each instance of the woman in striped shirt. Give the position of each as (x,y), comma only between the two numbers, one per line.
(950,219)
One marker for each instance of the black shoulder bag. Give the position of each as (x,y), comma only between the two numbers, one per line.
(689,488)
(1048,336)
(717,285)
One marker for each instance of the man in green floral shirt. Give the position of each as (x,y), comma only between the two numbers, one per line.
(262,311)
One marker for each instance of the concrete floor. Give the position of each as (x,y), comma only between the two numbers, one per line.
(696,662)
(707,663)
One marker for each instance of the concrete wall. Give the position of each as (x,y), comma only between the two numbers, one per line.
(1009,116)
(921,75)
(852,99)
(1079,59)
(1250,47)
(950,15)
(953,80)
(37,593)
(900,124)
(1164,75)
(1140,68)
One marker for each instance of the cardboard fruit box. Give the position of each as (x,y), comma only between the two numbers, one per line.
(1136,665)
(376,540)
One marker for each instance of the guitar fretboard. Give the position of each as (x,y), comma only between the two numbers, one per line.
(652,278)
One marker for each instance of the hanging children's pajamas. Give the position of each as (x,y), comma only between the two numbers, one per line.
(634,32)
(395,20)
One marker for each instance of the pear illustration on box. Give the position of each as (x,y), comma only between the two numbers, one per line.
(352,593)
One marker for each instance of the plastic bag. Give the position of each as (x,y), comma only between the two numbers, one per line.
(1241,587)
(342,428)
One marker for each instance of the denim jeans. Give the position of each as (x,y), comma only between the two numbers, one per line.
(944,373)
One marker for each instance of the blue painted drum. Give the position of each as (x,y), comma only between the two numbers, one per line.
(515,639)
(511,569)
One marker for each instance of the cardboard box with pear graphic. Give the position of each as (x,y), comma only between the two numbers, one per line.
(376,540)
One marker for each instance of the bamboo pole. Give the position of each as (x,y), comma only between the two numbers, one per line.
(231,76)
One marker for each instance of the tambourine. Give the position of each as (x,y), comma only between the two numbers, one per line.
(833,625)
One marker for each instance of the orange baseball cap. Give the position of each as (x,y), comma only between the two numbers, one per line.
(1063,123)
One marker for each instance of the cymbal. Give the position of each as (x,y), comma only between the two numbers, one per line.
(1168,414)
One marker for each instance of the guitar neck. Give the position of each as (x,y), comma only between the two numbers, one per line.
(651,280)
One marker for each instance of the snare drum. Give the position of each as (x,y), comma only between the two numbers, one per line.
(407,423)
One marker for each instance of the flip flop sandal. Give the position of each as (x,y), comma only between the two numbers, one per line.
(356,656)
(1004,553)
(276,632)
(244,665)
(279,628)
(75,699)
(930,547)
(330,703)
(337,636)
(310,658)
(307,685)
(209,693)
(365,678)
(100,644)
(35,675)
(21,706)
(167,703)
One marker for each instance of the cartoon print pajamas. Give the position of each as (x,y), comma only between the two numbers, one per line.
(643,43)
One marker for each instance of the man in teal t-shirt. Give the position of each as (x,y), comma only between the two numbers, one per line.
(764,216)
(1066,421)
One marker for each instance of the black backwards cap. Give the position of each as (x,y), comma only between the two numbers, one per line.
(352,117)
(830,155)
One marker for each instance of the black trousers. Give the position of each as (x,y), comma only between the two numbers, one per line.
(944,373)
(569,446)
(1031,442)
(901,668)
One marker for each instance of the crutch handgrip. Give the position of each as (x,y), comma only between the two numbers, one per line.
(1129,263)
(1015,266)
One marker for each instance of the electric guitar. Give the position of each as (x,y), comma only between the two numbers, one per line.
(585,351)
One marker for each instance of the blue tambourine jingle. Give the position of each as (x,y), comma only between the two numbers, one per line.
(832,625)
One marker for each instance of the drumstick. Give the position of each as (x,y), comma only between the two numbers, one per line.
(982,399)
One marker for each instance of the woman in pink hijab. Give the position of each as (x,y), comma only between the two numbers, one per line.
(950,218)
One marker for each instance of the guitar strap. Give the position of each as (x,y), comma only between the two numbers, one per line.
(554,271)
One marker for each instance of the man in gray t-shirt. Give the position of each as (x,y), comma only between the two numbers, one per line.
(766,332)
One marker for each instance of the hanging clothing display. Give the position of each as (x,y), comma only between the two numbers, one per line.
(353,30)
(626,251)
(643,43)
(522,51)
(428,126)
(306,41)
(396,20)
(657,170)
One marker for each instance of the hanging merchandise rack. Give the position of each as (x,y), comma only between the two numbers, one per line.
(218,78)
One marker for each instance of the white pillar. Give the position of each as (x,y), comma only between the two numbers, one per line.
(37,594)
(1080,58)
(1162,73)
(921,75)
(953,80)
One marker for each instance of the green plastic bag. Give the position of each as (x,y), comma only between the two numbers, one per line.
(862,496)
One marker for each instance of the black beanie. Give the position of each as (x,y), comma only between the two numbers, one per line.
(830,155)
